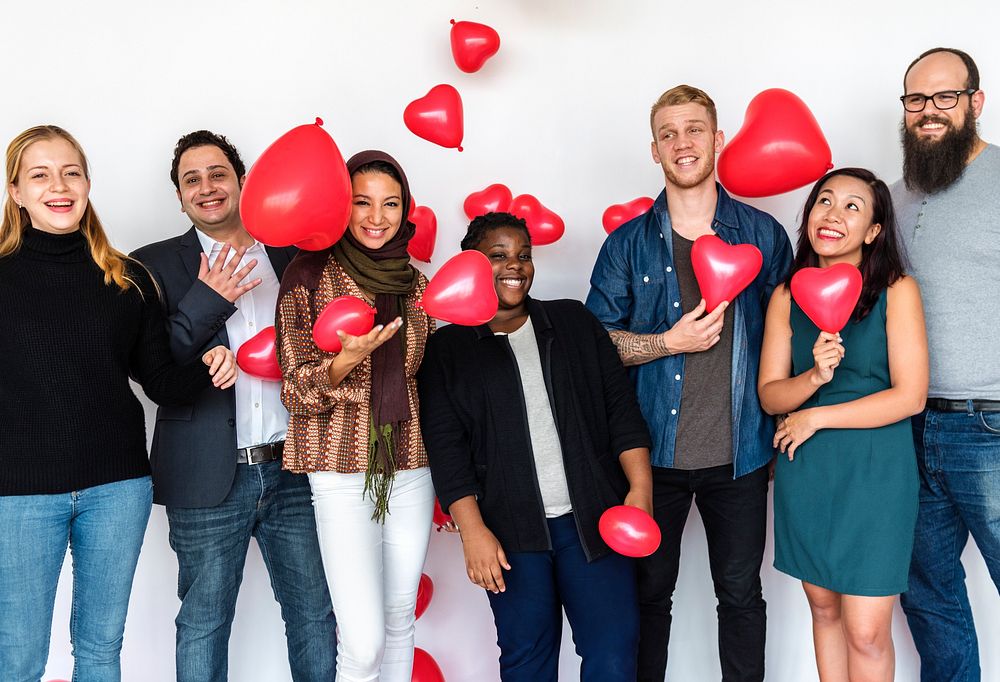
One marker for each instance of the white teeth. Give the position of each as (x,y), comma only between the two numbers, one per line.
(59,203)
(686,160)
(826,232)
(211,204)
(511,282)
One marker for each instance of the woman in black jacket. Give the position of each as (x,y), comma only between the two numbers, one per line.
(533,430)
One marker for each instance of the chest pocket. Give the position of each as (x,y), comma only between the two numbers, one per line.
(650,301)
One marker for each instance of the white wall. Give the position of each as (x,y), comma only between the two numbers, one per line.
(560,112)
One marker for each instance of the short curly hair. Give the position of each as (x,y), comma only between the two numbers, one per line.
(480,225)
(206,138)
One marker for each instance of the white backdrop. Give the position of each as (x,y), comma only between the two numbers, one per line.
(561,112)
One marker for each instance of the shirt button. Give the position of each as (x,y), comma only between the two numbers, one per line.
(646,278)
(256,404)
(669,269)
(673,411)
(661,235)
(676,304)
(677,377)
(231,422)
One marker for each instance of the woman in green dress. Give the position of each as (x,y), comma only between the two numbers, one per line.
(845,491)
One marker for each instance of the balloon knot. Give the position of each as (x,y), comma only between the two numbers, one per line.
(461,149)
(452,21)
(829,166)
(319,121)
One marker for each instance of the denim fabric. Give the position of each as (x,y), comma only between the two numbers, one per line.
(103,527)
(634,288)
(958,455)
(600,601)
(274,506)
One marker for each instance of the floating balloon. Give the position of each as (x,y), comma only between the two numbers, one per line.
(298,192)
(472,44)
(258,356)
(544,226)
(421,245)
(440,518)
(348,314)
(425,669)
(828,296)
(462,291)
(494,198)
(618,214)
(629,531)
(437,116)
(425,592)
(779,148)
(723,270)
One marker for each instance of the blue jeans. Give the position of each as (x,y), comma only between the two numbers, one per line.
(600,601)
(103,527)
(275,507)
(958,454)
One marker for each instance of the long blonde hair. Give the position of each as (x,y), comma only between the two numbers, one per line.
(16,219)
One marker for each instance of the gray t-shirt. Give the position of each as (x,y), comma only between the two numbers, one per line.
(952,239)
(541,426)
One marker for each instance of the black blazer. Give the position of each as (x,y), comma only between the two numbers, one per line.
(475,426)
(193,456)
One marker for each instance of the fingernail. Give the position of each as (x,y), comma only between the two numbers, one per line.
(379,327)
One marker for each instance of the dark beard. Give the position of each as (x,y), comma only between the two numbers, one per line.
(930,166)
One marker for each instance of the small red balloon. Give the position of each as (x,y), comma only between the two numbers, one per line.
(544,226)
(828,296)
(618,214)
(298,192)
(425,668)
(348,314)
(421,245)
(494,198)
(258,357)
(780,147)
(425,592)
(440,518)
(462,291)
(472,44)
(629,531)
(723,270)
(437,116)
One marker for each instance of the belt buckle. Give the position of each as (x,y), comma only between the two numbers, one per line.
(250,454)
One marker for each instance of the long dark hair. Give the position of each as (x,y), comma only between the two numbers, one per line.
(882,261)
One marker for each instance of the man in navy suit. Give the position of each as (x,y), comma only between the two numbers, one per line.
(217,463)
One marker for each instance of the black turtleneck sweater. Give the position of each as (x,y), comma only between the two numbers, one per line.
(68,345)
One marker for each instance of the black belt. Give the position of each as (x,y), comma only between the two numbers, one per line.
(258,454)
(945,405)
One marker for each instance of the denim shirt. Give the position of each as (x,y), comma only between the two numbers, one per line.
(634,288)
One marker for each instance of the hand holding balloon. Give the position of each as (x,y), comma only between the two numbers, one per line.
(694,333)
(630,531)
(827,354)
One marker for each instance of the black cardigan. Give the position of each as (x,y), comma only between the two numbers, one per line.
(475,426)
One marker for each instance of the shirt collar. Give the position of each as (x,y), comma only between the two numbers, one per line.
(210,246)
(725,209)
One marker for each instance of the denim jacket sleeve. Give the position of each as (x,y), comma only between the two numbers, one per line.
(610,297)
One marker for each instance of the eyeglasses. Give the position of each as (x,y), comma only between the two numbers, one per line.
(947,99)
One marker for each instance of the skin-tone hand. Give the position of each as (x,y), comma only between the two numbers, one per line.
(828,351)
(356,348)
(642,499)
(797,428)
(223,277)
(484,558)
(694,333)
(221,366)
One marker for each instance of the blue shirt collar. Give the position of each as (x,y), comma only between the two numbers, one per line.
(725,209)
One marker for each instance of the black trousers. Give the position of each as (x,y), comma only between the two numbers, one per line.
(735,516)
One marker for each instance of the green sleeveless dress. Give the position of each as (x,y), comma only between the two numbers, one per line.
(846,508)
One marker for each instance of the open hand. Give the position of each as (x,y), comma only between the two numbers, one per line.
(223,276)
(357,348)
(221,366)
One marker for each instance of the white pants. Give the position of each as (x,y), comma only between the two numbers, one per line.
(373,569)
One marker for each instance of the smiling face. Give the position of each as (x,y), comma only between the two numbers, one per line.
(377,211)
(209,189)
(840,221)
(509,252)
(685,144)
(52,185)
(940,72)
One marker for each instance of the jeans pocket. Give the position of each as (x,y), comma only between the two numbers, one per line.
(990,421)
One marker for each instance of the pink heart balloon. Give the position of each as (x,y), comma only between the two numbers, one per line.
(258,356)
(348,314)
(723,270)
(425,592)
(472,44)
(462,291)
(421,245)
(828,296)
(629,531)
(544,226)
(437,116)
(617,215)
(494,198)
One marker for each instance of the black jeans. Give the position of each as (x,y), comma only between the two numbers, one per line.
(735,516)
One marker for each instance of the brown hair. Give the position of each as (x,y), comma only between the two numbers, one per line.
(684,94)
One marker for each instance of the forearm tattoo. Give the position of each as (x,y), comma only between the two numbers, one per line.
(635,349)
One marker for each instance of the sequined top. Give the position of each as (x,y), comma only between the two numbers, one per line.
(328,426)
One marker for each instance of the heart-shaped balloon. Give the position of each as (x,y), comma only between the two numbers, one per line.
(780,147)
(348,314)
(618,214)
(629,531)
(258,356)
(425,592)
(723,270)
(298,192)
(425,668)
(828,296)
(494,198)
(472,44)
(462,291)
(544,226)
(437,116)
(421,245)
(440,518)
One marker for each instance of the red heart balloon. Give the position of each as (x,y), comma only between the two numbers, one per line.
(544,226)
(348,314)
(629,531)
(421,245)
(828,296)
(723,270)
(298,192)
(494,198)
(472,44)
(258,357)
(437,116)
(779,148)
(425,668)
(440,518)
(462,291)
(425,592)
(618,214)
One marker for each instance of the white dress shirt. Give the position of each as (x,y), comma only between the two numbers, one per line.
(260,416)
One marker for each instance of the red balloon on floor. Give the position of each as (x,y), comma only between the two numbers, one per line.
(425,669)
(440,518)
(257,356)
(494,198)
(425,592)
(629,531)
(723,270)
(544,226)
(421,245)
(348,314)
(298,192)
(462,291)
(828,296)
(472,44)
(617,215)
(437,116)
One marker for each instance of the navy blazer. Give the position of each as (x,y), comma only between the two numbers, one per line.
(193,455)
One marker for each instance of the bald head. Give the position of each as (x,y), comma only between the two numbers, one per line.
(942,64)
